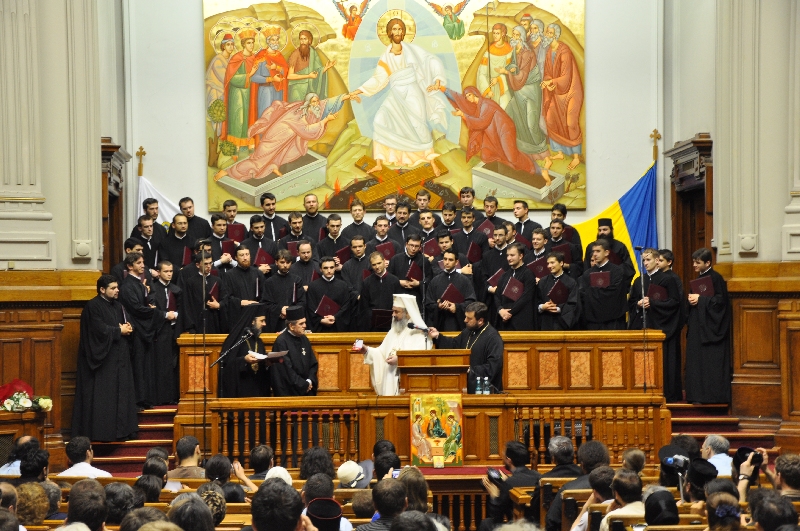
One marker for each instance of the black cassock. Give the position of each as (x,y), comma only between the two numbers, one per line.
(604,308)
(337,290)
(238,285)
(329,247)
(239,379)
(708,357)
(372,245)
(522,314)
(192,302)
(362,229)
(575,267)
(486,354)
(172,249)
(567,318)
(136,300)
(617,247)
(377,293)
(399,266)
(665,316)
(305,270)
(253,244)
(311,225)
(199,229)
(491,262)
(353,272)
(444,320)
(105,399)
(164,387)
(288,378)
(274,226)
(462,242)
(279,291)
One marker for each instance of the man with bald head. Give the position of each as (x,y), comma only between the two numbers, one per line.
(21,446)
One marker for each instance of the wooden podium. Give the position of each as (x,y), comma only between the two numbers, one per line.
(426,371)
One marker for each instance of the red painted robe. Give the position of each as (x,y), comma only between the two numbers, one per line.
(562,107)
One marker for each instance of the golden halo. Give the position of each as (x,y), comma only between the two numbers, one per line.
(216,41)
(305,26)
(238,42)
(261,39)
(217,32)
(408,20)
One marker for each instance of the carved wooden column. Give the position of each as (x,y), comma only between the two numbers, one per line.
(114,157)
(790,243)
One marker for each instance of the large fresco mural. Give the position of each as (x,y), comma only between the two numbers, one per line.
(349,99)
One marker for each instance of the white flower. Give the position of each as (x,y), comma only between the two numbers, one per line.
(46,404)
(25,402)
(8,404)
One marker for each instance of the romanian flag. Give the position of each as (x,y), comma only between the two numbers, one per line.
(633,217)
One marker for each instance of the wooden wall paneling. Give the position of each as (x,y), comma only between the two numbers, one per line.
(70,339)
(788,434)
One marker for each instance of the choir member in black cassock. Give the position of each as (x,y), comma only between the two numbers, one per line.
(275,227)
(552,316)
(358,227)
(222,260)
(604,307)
(257,241)
(494,260)
(400,265)
(464,239)
(448,316)
(198,228)
(490,211)
(446,243)
(240,373)
(296,375)
(120,270)
(556,233)
(241,286)
(297,233)
(281,290)
(105,398)
(195,307)
(665,259)
(515,314)
(617,252)
(353,270)
(174,245)
(335,289)
(484,343)
(662,313)
(190,269)
(138,303)
(708,357)
(150,209)
(402,228)
(382,236)
(539,247)
(333,241)
(451,221)
(377,291)
(559,213)
(147,231)
(306,266)
(313,221)
(524,225)
(164,386)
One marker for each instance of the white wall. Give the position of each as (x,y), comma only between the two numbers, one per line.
(167,96)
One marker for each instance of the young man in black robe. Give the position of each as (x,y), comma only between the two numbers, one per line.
(450,218)
(105,399)
(198,228)
(401,229)
(663,314)
(120,270)
(446,243)
(150,209)
(377,291)
(353,270)
(447,316)
(494,260)
(468,237)
(198,309)
(173,246)
(297,233)
(467,197)
(552,316)
(556,234)
(524,224)
(282,290)
(296,375)
(382,236)
(306,265)
(358,226)
(241,286)
(400,265)
(257,241)
(618,253)
(559,212)
(515,314)
(604,307)
(485,344)
(490,210)
(422,202)
(539,247)
(151,239)
(335,289)
(333,241)
(275,227)
(313,221)
(241,373)
(708,357)
(665,259)
(166,295)
(222,261)
(427,225)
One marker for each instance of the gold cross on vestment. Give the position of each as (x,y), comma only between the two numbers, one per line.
(656,136)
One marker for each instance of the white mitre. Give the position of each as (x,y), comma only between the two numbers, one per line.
(409,302)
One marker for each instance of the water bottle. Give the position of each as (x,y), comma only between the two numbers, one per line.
(486,389)
(478,390)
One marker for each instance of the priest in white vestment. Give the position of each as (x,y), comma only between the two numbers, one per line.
(383,359)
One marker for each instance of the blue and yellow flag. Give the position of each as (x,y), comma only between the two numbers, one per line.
(633,216)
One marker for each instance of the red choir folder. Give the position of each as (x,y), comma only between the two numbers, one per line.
(386,249)
(315,275)
(474,253)
(494,280)
(702,286)
(229,246)
(568,233)
(263,257)
(213,293)
(487,227)
(187,256)
(125,274)
(343,255)
(558,293)
(292,247)
(381,320)
(614,258)
(451,294)
(657,293)
(414,272)
(322,233)
(236,232)
(431,247)
(539,267)
(365,274)
(283,232)
(172,303)
(523,240)
(600,279)
(327,306)
(566,249)
(513,289)
(214,272)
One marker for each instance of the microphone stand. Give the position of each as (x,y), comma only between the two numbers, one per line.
(642,273)
(203,312)
(242,339)
(422,287)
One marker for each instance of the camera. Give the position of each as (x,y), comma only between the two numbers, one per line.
(494,476)
(678,462)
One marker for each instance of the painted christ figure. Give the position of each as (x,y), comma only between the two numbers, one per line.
(403,125)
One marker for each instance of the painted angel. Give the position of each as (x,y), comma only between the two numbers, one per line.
(353,18)
(453,25)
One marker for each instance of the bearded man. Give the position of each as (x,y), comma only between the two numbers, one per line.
(285,130)
(306,73)
(383,359)
(270,72)
(241,373)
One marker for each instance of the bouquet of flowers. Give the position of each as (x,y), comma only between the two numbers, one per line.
(16,396)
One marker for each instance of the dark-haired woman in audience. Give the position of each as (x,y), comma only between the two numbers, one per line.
(723,512)
(219,468)
(416,489)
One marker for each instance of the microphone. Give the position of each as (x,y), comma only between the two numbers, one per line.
(412,326)
(638,247)
(248,334)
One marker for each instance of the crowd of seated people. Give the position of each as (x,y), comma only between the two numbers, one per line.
(689,488)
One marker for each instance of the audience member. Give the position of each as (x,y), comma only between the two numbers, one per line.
(32,504)
(261,460)
(21,446)
(151,486)
(234,493)
(316,460)
(362,504)
(721,485)
(660,507)
(280,473)
(723,512)
(411,521)
(277,507)
(326,515)
(591,454)
(715,450)
(627,489)
(384,463)
(668,474)
(216,503)
(119,500)
(187,451)
(33,466)
(87,504)
(771,510)
(368,465)
(633,459)
(349,474)
(139,517)
(688,443)
(54,497)
(600,480)
(499,505)
(416,489)
(389,498)
(8,521)
(786,476)
(700,472)
(80,454)
(155,466)
(160,526)
(191,514)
